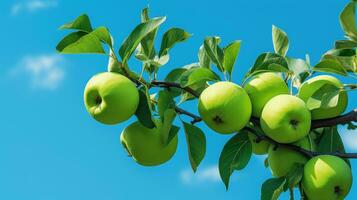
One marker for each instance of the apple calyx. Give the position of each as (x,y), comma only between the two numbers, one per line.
(218,120)
(338,190)
(294,123)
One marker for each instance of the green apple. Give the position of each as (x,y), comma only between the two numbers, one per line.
(225,107)
(262,87)
(258,148)
(286,119)
(309,87)
(326,177)
(111,98)
(147,146)
(281,159)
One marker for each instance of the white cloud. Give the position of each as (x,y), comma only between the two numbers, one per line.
(349,138)
(32,6)
(208,174)
(44,71)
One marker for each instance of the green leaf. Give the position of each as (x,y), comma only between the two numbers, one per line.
(280,41)
(196,143)
(325,97)
(143,112)
(136,36)
(345,44)
(167,119)
(348,21)
(173,132)
(330,141)
(103,34)
(203,58)
(147,43)
(347,57)
(294,176)
(164,102)
(81,23)
(330,66)
(113,64)
(172,37)
(69,39)
(174,76)
(351,126)
(197,75)
(235,155)
(230,55)
(214,52)
(272,188)
(86,44)
(297,66)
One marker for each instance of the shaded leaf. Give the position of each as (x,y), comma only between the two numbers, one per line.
(167,119)
(325,97)
(196,143)
(214,52)
(203,58)
(330,66)
(280,41)
(173,132)
(86,44)
(165,101)
(348,21)
(135,37)
(235,155)
(103,34)
(272,188)
(294,176)
(174,76)
(69,39)
(345,44)
(347,57)
(230,55)
(197,75)
(330,141)
(143,112)
(170,38)
(81,23)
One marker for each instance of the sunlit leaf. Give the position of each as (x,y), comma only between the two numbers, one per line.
(280,41)
(81,23)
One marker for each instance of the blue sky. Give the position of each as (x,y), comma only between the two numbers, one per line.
(50,149)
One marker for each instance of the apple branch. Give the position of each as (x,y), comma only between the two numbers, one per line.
(305,152)
(194,117)
(343,119)
(175,85)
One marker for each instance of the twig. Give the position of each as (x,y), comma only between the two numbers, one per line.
(194,117)
(343,119)
(175,85)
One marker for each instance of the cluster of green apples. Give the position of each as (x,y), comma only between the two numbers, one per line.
(226,108)
(111,98)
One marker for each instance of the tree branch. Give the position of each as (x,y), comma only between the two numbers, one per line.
(175,85)
(307,153)
(194,117)
(343,119)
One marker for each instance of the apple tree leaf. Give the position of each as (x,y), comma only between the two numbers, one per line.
(230,55)
(203,58)
(280,41)
(164,102)
(351,126)
(347,58)
(196,143)
(348,21)
(81,23)
(174,76)
(167,119)
(297,66)
(132,41)
(272,188)
(294,176)
(235,155)
(214,52)
(172,133)
(143,112)
(330,66)
(197,75)
(325,97)
(345,44)
(330,141)
(69,39)
(89,43)
(147,43)
(170,38)
(103,34)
